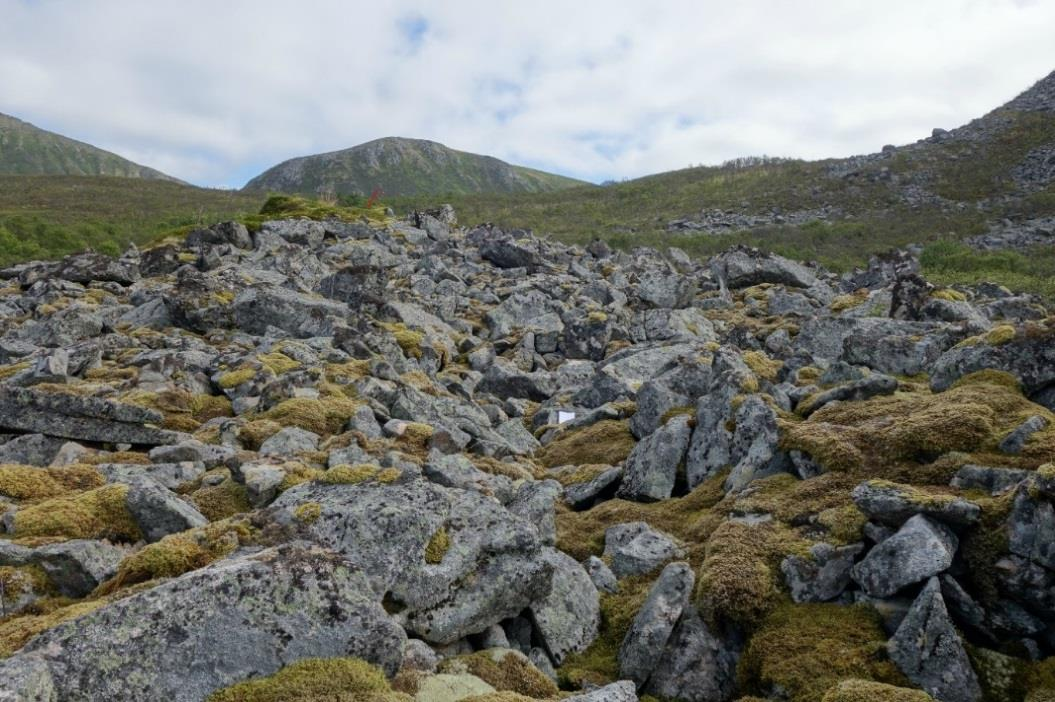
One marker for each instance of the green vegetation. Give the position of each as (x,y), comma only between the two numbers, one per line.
(608,442)
(29,150)
(805,650)
(402,167)
(504,671)
(43,217)
(337,679)
(93,514)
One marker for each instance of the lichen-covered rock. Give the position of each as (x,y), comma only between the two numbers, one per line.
(208,629)
(487,566)
(644,645)
(158,511)
(78,566)
(83,418)
(652,467)
(893,504)
(920,549)
(635,548)
(697,665)
(568,617)
(928,650)
(821,576)
(1031,359)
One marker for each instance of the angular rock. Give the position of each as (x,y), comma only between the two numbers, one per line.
(652,466)
(238,618)
(920,549)
(534,502)
(568,617)
(928,650)
(822,576)
(602,576)
(583,495)
(857,391)
(78,566)
(258,309)
(30,450)
(622,691)
(289,442)
(636,548)
(82,418)
(388,528)
(643,647)
(696,665)
(893,504)
(159,512)
(1031,528)
(743,267)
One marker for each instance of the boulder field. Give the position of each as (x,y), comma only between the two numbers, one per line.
(325,460)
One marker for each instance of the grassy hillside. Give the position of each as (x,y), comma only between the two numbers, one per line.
(50,216)
(29,150)
(403,167)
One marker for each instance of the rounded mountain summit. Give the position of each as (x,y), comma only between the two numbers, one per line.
(402,166)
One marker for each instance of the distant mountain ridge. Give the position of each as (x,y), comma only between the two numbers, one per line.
(26,149)
(402,166)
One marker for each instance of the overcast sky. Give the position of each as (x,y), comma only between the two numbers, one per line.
(215,92)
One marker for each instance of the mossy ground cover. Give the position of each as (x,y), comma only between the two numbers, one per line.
(608,441)
(93,514)
(807,649)
(313,679)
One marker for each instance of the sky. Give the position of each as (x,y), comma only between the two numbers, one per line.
(216,92)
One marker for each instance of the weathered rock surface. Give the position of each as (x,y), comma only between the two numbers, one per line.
(208,629)
(920,549)
(928,650)
(642,649)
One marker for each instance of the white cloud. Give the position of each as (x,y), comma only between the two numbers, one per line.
(211,91)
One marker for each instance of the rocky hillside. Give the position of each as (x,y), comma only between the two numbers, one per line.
(404,167)
(29,150)
(984,187)
(405,461)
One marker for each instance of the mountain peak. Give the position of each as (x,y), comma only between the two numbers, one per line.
(26,149)
(404,166)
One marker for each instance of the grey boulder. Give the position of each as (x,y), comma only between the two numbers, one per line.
(635,548)
(643,647)
(238,618)
(928,650)
(920,549)
(158,511)
(568,617)
(652,466)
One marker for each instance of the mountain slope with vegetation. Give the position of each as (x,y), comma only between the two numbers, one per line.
(404,167)
(942,191)
(28,150)
(51,216)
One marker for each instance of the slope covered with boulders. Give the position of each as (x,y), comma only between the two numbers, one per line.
(399,460)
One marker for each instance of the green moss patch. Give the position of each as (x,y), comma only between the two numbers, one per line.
(31,483)
(313,679)
(504,671)
(805,650)
(95,514)
(608,441)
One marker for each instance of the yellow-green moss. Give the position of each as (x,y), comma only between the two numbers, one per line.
(256,432)
(989,376)
(824,500)
(221,501)
(577,475)
(504,671)
(278,362)
(308,512)
(438,546)
(30,483)
(805,650)
(608,441)
(389,475)
(15,632)
(849,302)
(206,407)
(315,679)
(232,379)
(324,416)
(684,411)
(599,663)
(181,553)
(689,518)
(869,691)
(349,475)
(762,365)
(740,577)
(95,514)
(1000,335)
(949,295)
(408,339)
(22,580)
(297,473)
(910,426)
(12,369)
